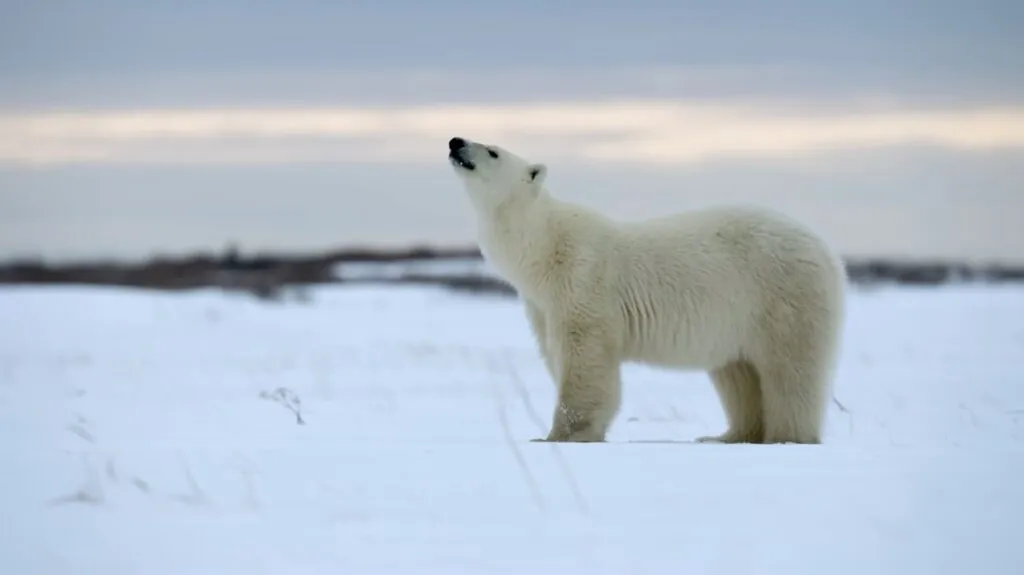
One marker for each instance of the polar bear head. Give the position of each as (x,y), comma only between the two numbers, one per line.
(492,174)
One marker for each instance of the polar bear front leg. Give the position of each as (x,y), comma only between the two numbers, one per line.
(539,327)
(589,384)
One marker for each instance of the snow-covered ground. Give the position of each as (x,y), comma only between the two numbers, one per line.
(150,433)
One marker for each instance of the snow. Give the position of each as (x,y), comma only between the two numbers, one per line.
(151,433)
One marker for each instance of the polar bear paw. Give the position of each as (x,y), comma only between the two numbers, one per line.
(709,439)
(579,432)
(574,438)
(731,437)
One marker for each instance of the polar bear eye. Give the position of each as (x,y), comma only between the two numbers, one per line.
(492,153)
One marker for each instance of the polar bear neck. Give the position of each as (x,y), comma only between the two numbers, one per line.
(536,245)
(510,235)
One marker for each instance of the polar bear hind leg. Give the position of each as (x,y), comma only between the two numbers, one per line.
(794,399)
(739,389)
(795,369)
(781,394)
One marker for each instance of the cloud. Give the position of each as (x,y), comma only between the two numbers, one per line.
(627,131)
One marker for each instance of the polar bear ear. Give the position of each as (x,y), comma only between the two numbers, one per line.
(535,173)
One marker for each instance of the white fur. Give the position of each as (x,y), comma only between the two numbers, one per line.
(751,296)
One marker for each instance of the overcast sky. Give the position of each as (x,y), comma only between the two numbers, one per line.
(962,48)
(833,109)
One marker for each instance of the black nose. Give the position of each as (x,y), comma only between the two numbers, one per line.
(456,144)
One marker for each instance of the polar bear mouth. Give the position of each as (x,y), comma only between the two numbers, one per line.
(459,161)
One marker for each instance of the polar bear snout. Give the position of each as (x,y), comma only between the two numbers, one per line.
(457,148)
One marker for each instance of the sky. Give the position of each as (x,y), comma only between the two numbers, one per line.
(128,128)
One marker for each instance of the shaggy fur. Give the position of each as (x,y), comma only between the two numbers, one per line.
(750,296)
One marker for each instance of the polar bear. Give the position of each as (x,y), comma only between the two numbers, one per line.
(751,296)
